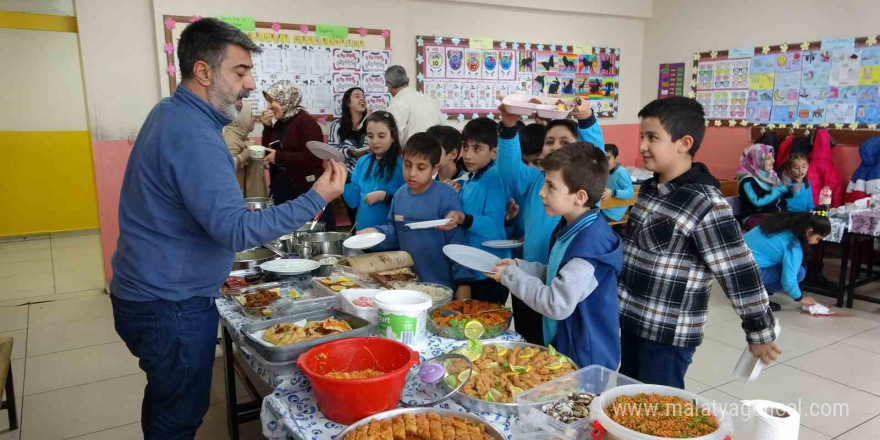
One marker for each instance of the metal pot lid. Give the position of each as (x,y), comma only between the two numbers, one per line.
(436,380)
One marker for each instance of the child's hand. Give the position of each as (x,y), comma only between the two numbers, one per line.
(582,110)
(454,184)
(507,118)
(463,292)
(797,187)
(807,301)
(500,267)
(766,352)
(266,118)
(457,219)
(374,197)
(367,231)
(607,193)
(512,210)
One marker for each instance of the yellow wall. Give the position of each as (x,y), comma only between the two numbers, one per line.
(47,182)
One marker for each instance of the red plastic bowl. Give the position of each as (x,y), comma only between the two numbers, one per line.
(347,401)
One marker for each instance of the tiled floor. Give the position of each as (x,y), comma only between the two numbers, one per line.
(75,378)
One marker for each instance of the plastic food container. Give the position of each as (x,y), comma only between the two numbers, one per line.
(403,315)
(533,421)
(371,314)
(289,353)
(606,429)
(441,295)
(346,401)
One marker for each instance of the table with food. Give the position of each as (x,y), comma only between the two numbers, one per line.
(356,347)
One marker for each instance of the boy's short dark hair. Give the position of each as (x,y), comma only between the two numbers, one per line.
(583,167)
(531,139)
(424,145)
(680,117)
(449,137)
(206,40)
(611,148)
(482,130)
(570,124)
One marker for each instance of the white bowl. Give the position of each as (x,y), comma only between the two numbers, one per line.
(257,151)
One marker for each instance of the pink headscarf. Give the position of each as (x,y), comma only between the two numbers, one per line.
(751,164)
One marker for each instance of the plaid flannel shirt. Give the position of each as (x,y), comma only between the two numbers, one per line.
(680,235)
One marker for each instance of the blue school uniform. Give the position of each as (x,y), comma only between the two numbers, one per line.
(779,257)
(426,245)
(484,203)
(525,184)
(800,201)
(620,182)
(366,179)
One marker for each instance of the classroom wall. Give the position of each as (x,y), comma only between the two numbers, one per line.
(679,28)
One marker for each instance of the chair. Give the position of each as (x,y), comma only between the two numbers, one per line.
(616,203)
(6,377)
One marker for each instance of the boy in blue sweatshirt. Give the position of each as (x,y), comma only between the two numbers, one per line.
(619,184)
(484,202)
(578,287)
(423,199)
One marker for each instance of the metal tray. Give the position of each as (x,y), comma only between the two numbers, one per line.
(506,409)
(316,300)
(289,353)
(445,331)
(490,430)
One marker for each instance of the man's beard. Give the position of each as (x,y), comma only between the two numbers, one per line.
(223,99)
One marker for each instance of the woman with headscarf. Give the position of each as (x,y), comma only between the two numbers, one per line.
(760,189)
(346,133)
(250,173)
(292,168)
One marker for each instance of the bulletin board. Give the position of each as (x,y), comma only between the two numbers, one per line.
(465,75)
(322,67)
(829,83)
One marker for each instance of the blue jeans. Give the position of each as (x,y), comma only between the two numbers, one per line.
(654,362)
(174,343)
(772,277)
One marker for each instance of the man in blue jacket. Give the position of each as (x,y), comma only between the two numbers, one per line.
(181,220)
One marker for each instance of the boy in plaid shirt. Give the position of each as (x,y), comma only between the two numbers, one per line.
(681,233)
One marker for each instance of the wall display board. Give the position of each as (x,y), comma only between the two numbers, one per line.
(467,74)
(828,83)
(323,61)
(671,82)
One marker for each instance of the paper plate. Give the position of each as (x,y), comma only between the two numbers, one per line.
(324,151)
(290,266)
(503,244)
(471,258)
(364,241)
(428,224)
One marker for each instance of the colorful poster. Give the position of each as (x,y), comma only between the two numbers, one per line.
(378,102)
(789,62)
(436,90)
(469,95)
(764,64)
(375,60)
(758,109)
(840,113)
(567,87)
(816,69)
(739,73)
(546,62)
(832,44)
(721,75)
(453,95)
(346,59)
(811,105)
(554,86)
(539,85)
(454,62)
(485,95)
(435,62)
(869,76)
(524,81)
(588,64)
(845,66)
(473,59)
(871,56)
(568,63)
(786,88)
(506,66)
(373,83)
(720,108)
(705,74)
(738,101)
(489,65)
(607,64)
(526,61)
(671,80)
(740,52)
(761,81)
(868,106)
(783,114)
(603,87)
(343,81)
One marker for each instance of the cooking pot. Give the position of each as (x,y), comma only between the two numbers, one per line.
(252,258)
(321,243)
(326,269)
(290,242)
(258,202)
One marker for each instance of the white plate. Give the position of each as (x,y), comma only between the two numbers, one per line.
(290,266)
(324,151)
(364,241)
(428,224)
(472,258)
(503,244)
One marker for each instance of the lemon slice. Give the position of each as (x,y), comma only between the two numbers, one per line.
(493,395)
(514,391)
(555,365)
(343,280)
(493,365)
(240,300)
(450,380)
(552,350)
(471,355)
(520,370)
(475,346)
(464,375)
(474,329)
(337,288)
(267,312)
(502,351)
(527,353)
(294,294)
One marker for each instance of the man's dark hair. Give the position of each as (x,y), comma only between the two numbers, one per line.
(206,40)
(611,148)
(531,139)
(449,137)
(680,117)
(570,124)
(482,130)
(583,167)
(423,145)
